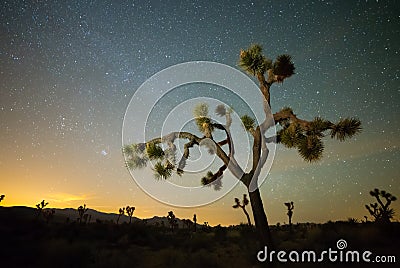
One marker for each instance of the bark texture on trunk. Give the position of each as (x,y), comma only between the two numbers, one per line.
(260,219)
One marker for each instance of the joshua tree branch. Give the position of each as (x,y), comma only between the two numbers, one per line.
(228,160)
(185,156)
(263,158)
(264,87)
(380,201)
(256,149)
(287,114)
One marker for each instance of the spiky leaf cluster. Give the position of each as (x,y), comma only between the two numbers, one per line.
(201,109)
(308,142)
(244,203)
(307,136)
(163,170)
(248,122)
(253,61)
(310,148)
(211,179)
(283,66)
(346,128)
(376,193)
(136,162)
(291,135)
(154,151)
(138,156)
(318,126)
(237,203)
(207,179)
(220,110)
(203,121)
(135,156)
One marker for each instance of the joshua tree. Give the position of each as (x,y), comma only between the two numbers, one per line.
(195,222)
(290,207)
(381,211)
(294,132)
(245,202)
(40,207)
(2,197)
(172,220)
(82,211)
(121,212)
(129,211)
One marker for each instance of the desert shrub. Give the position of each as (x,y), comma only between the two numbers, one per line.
(168,257)
(203,258)
(131,256)
(199,241)
(220,233)
(61,253)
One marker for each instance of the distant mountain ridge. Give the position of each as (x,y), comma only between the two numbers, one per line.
(62,214)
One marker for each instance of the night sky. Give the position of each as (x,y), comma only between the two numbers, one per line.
(68,70)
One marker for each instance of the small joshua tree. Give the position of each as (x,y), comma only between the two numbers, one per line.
(194,222)
(172,220)
(245,202)
(129,211)
(82,211)
(40,207)
(121,212)
(381,211)
(290,207)
(2,197)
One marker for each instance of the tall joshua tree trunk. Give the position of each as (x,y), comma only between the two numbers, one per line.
(260,218)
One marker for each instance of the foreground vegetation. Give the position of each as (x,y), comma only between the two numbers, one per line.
(29,241)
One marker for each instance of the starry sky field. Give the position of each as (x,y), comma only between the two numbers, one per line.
(68,70)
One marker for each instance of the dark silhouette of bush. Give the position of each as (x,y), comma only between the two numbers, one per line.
(2,197)
(220,233)
(380,210)
(352,221)
(187,224)
(48,214)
